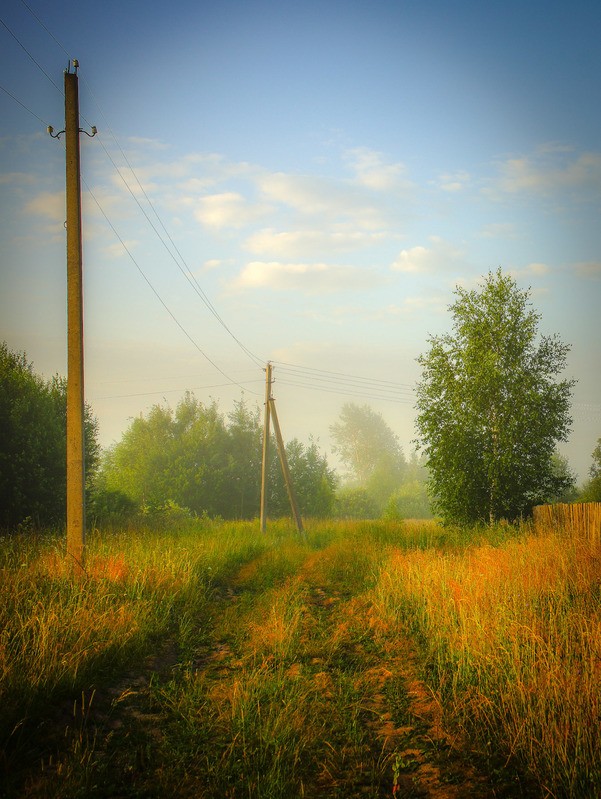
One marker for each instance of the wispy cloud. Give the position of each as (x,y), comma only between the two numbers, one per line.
(228,210)
(588,269)
(48,204)
(439,256)
(372,170)
(118,249)
(309,243)
(536,269)
(454,181)
(309,278)
(550,169)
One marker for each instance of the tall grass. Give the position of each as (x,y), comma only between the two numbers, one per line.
(511,640)
(59,635)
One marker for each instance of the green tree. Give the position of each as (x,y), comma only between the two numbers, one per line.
(33,443)
(369,449)
(313,480)
(490,409)
(355,503)
(592,489)
(409,501)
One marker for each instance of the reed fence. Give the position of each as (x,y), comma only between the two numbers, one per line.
(581,518)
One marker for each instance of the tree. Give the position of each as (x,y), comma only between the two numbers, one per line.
(313,480)
(355,503)
(490,409)
(369,449)
(33,443)
(592,489)
(194,458)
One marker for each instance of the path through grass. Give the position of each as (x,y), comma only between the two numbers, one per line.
(223,663)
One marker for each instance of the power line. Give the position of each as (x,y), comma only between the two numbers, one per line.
(49,32)
(38,65)
(176,390)
(183,266)
(341,391)
(348,380)
(185,270)
(16,99)
(158,296)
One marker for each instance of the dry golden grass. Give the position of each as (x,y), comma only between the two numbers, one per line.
(512,641)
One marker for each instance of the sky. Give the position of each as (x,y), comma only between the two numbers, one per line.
(302,183)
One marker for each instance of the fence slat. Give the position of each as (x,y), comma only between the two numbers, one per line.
(579,519)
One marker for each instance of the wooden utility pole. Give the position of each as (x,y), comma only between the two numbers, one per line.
(286,470)
(75,371)
(265,461)
(271,413)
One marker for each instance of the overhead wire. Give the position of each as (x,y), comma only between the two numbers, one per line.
(341,391)
(16,99)
(175,390)
(157,295)
(185,269)
(38,65)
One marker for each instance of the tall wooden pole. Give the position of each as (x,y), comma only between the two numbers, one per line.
(265,461)
(75,370)
(286,470)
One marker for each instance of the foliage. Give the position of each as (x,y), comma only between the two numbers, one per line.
(313,480)
(197,459)
(565,477)
(410,501)
(489,409)
(367,445)
(33,443)
(592,489)
(355,503)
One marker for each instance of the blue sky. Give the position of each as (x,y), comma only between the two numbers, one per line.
(324,174)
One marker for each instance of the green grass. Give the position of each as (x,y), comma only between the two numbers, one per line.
(220,662)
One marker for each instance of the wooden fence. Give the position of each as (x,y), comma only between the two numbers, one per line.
(581,518)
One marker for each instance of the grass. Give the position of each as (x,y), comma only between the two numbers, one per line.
(375,658)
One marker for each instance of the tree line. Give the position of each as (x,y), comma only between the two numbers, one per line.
(490,411)
(191,460)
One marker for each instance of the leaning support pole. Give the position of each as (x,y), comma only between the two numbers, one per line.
(75,370)
(286,470)
(265,461)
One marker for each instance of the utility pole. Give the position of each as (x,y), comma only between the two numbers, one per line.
(75,374)
(265,461)
(286,470)
(271,413)
(75,369)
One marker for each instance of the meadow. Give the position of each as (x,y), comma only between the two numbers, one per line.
(373,659)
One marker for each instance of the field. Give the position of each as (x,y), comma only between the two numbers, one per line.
(371,660)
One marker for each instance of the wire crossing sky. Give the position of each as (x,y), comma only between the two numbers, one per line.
(301,183)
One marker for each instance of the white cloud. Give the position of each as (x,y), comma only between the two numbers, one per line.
(310,278)
(48,204)
(416,259)
(309,243)
(550,170)
(329,199)
(212,263)
(590,269)
(535,269)
(427,259)
(228,209)
(454,181)
(373,172)
(118,249)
